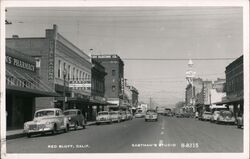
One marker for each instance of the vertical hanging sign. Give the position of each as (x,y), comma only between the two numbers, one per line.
(51,60)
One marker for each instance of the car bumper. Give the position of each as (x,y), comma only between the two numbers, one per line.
(39,130)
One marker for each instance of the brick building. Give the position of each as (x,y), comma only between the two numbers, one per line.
(61,65)
(114,89)
(235,86)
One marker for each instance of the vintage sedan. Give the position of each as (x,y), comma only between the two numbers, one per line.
(124,115)
(226,117)
(214,116)
(103,117)
(75,117)
(151,115)
(206,116)
(115,116)
(47,120)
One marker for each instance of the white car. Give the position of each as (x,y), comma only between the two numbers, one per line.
(151,115)
(115,116)
(214,116)
(206,116)
(47,120)
(103,117)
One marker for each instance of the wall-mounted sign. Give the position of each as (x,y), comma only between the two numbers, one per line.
(20,63)
(79,84)
(51,56)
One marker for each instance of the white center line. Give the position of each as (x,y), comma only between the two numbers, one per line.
(162,133)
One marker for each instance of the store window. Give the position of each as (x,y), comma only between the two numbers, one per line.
(59,69)
(73,74)
(69,72)
(113,88)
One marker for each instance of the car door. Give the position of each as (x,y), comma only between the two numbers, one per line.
(60,117)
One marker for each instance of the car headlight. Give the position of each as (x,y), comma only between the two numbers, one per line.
(26,126)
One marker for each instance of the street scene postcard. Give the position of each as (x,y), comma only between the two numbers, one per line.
(153,80)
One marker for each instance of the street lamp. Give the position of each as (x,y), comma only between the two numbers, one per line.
(64,87)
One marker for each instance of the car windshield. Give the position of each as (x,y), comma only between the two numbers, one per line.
(113,113)
(44,113)
(151,111)
(208,113)
(103,113)
(69,113)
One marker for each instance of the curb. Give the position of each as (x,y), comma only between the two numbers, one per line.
(19,135)
(14,136)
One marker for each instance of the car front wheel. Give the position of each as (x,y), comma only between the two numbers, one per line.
(28,135)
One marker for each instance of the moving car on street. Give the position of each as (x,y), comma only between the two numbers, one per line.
(206,116)
(139,114)
(75,118)
(103,117)
(226,117)
(151,115)
(115,116)
(47,120)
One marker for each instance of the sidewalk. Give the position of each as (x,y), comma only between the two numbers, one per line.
(13,134)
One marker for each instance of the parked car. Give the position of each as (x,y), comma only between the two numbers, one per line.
(129,115)
(240,120)
(206,115)
(151,115)
(226,117)
(103,117)
(214,116)
(75,118)
(115,116)
(139,115)
(179,115)
(124,115)
(47,120)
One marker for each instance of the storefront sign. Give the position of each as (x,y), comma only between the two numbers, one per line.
(20,63)
(79,84)
(51,60)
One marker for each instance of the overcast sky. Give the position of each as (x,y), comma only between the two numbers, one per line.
(149,32)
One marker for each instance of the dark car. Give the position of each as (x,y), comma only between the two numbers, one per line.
(75,118)
(226,117)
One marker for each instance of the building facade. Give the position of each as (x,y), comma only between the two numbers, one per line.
(235,86)
(23,86)
(61,65)
(97,99)
(191,93)
(114,80)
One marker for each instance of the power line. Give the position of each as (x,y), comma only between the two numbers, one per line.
(178,59)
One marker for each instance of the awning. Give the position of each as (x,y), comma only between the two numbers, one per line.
(34,85)
(72,99)
(230,101)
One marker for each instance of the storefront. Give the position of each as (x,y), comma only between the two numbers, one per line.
(23,85)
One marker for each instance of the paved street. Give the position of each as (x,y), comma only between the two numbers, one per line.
(138,136)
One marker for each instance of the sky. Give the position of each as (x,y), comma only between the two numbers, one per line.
(137,33)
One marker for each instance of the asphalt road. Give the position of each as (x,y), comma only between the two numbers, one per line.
(137,136)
